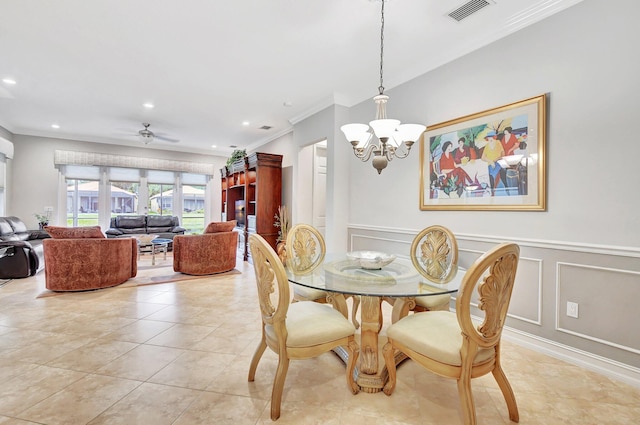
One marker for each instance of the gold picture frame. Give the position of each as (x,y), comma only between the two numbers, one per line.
(493,160)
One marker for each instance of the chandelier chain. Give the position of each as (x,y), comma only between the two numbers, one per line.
(381,88)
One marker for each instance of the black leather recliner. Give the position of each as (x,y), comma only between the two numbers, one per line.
(24,255)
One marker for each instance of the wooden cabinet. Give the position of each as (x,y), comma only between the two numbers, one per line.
(251,194)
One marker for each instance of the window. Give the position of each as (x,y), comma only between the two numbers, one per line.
(82,202)
(124,198)
(160,199)
(193,202)
(125,191)
(160,192)
(83,189)
(97,193)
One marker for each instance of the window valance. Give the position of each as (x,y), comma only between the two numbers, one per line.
(108,160)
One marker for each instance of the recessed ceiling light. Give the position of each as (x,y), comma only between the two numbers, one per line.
(214,146)
(8,81)
(149,105)
(55,126)
(245,123)
(287,104)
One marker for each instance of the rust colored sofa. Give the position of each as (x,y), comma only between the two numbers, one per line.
(80,264)
(212,252)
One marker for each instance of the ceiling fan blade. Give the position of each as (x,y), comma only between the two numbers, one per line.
(166,139)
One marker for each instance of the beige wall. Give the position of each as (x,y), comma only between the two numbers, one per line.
(35,179)
(589,68)
(586,247)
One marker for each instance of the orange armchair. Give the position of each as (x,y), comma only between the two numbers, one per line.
(204,254)
(89,263)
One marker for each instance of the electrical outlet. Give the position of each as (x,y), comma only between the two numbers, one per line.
(48,209)
(572,309)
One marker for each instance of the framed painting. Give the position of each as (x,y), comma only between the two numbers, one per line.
(490,160)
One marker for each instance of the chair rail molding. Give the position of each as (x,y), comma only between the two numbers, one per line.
(625,251)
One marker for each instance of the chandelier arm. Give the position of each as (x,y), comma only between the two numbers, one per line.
(401,156)
(404,153)
(364,153)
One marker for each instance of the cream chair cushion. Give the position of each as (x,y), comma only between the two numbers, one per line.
(310,323)
(434,301)
(308,293)
(434,334)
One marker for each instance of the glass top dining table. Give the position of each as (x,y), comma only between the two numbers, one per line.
(400,278)
(398,283)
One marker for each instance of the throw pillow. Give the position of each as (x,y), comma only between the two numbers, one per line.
(57,232)
(217,227)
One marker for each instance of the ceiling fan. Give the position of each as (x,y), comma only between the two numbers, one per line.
(147,136)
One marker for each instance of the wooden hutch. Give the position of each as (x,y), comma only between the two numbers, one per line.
(251,194)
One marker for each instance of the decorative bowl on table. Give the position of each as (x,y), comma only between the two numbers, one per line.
(372,260)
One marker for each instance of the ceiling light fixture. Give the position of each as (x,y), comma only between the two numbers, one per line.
(8,81)
(149,105)
(390,133)
(56,126)
(245,123)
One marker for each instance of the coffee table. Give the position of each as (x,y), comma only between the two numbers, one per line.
(159,245)
(153,244)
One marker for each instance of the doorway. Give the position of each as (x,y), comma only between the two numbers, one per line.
(312,163)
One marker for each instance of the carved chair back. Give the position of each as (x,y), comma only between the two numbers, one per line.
(305,248)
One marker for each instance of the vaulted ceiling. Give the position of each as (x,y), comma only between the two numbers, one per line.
(207,66)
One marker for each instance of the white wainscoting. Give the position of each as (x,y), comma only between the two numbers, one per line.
(603,280)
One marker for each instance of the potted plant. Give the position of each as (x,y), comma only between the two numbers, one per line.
(236,155)
(282,223)
(43,220)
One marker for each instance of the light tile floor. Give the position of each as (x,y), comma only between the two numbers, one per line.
(179,353)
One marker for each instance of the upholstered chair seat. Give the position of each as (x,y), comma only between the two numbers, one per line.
(435,335)
(297,331)
(455,344)
(304,293)
(310,323)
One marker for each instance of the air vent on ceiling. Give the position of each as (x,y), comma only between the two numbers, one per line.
(266,127)
(468,9)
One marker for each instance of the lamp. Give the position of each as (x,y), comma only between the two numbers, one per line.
(390,133)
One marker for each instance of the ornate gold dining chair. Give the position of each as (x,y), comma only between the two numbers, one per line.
(305,250)
(300,330)
(452,344)
(434,253)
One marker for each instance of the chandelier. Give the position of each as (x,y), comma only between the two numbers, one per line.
(390,133)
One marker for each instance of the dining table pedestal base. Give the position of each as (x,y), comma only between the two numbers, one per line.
(371,374)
